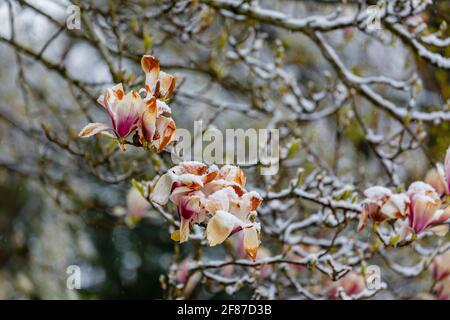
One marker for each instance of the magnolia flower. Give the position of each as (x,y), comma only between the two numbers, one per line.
(204,193)
(130,112)
(125,112)
(351,284)
(441,266)
(424,209)
(157,83)
(158,87)
(444,172)
(380,205)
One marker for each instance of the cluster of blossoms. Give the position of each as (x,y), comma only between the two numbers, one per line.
(143,113)
(213,196)
(421,206)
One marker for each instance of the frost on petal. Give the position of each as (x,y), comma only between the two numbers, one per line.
(220,227)
(162,189)
(422,188)
(252,200)
(220,200)
(233,174)
(92,129)
(163,108)
(396,206)
(377,193)
(194,167)
(251,241)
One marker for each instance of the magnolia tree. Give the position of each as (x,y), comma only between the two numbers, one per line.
(289,149)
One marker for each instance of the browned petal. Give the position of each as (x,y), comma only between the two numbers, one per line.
(167,84)
(167,135)
(238,189)
(240,177)
(210,177)
(119,93)
(149,63)
(148,122)
(255,203)
(194,167)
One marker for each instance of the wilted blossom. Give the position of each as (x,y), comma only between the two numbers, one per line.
(217,197)
(380,205)
(425,210)
(351,284)
(441,266)
(130,112)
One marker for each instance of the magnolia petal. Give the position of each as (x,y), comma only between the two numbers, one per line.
(193,167)
(440,230)
(220,227)
(377,194)
(150,65)
(441,216)
(220,200)
(148,121)
(167,84)
(363,218)
(396,206)
(423,212)
(93,128)
(129,111)
(447,170)
(184,230)
(166,129)
(251,242)
(163,108)
(178,193)
(189,206)
(233,174)
(161,191)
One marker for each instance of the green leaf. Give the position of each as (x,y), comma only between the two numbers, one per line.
(148,41)
(138,186)
(293,148)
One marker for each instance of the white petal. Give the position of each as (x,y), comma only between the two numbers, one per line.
(93,129)
(251,242)
(220,227)
(161,192)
